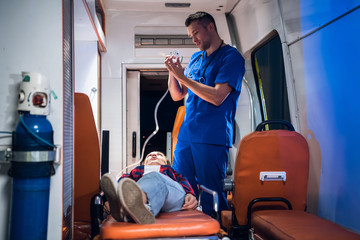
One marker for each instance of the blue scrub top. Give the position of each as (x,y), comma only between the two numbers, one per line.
(205,122)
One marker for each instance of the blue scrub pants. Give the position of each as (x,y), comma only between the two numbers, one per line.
(203,164)
(163,193)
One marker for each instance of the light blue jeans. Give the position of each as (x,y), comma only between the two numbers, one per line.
(163,193)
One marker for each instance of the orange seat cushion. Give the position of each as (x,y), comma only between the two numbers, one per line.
(86,158)
(180,114)
(287,224)
(226,219)
(173,224)
(82,230)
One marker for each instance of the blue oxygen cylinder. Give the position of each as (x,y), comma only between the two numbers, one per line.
(31,168)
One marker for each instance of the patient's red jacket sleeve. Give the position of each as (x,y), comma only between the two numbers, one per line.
(167,170)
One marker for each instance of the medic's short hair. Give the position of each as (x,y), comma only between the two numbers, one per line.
(204,19)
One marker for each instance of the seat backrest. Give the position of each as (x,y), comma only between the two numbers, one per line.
(274,151)
(86,158)
(177,124)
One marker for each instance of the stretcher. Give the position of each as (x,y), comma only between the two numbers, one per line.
(181,224)
(172,225)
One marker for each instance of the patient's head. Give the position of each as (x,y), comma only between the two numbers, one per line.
(156,158)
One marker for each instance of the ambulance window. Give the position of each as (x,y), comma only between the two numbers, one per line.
(269,71)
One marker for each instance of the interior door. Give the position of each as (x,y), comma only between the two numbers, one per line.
(132,118)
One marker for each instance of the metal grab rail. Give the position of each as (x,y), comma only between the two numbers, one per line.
(215,200)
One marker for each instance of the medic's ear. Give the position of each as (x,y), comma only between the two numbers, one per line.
(211,27)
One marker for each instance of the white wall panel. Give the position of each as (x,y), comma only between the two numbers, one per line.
(331,92)
(303,17)
(86,72)
(31,40)
(254,20)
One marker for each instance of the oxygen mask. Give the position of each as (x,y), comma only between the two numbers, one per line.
(175,55)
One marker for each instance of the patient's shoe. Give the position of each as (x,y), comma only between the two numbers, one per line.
(130,196)
(108,184)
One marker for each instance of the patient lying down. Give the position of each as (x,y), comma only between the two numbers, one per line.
(147,190)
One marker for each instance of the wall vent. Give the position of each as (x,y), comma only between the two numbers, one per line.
(178,5)
(163,41)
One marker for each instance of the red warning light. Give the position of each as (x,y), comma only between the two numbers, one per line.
(39,100)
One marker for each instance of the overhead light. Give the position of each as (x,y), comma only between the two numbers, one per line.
(178,5)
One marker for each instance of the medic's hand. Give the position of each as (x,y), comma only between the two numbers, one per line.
(173,64)
(190,202)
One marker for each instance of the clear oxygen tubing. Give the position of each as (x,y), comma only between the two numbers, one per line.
(5,132)
(176,55)
(31,132)
(149,137)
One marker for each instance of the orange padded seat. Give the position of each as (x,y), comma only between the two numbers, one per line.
(86,158)
(172,224)
(288,224)
(86,165)
(226,219)
(180,114)
(274,150)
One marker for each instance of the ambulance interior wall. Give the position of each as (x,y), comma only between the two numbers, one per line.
(31,40)
(322,43)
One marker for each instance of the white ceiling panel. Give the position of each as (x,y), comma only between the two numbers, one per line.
(210,6)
